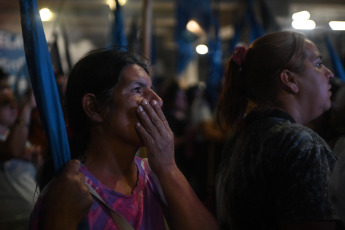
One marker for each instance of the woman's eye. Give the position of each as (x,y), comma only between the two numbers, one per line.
(319,65)
(137,90)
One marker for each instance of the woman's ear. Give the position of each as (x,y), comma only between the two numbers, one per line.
(90,107)
(289,81)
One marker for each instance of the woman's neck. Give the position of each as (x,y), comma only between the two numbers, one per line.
(114,167)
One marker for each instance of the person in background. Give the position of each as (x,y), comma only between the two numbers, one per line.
(112,112)
(18,160)
(337,182)
(208,142)
(337,186)
(275,171)
(175,109)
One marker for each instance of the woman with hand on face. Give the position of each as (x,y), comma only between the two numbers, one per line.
(112,112)
(275,171)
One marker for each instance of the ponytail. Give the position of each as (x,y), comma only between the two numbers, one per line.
(233,100)
(252,75)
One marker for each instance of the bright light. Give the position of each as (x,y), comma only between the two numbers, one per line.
(112,5)
(337,25)
(46,14)
(303,24)
(122,2)
(201,49)
(193,27)
(301,21)
(303,15)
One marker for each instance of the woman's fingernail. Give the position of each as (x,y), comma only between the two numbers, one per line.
(144,101)
(154,102)
(140,108)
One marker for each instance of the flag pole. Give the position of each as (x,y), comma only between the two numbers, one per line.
(147,28)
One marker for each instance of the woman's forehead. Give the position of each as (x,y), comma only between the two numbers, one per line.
(311,51)
(132,73)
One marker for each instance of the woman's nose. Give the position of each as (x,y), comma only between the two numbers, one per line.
(154,96)
(329,73)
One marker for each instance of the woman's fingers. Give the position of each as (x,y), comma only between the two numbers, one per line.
(145,126)
(161,115)
(157,135)
(145,136)
(150,119)
(70,188)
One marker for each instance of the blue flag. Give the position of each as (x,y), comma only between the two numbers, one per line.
(118,36)
(216,68)
(198,10)
(43,82)
(256,29)
(338,67)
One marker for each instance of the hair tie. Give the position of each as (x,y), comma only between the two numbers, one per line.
(239,55)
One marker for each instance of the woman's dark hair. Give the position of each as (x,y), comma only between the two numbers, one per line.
(256,80)
(97,73)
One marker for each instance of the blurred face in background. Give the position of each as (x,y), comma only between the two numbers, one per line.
(181,101)
(8,108)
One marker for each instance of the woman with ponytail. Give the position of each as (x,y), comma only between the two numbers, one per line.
(275,171)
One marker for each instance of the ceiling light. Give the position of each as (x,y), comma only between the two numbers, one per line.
(337,25)
(122,2)
(193,27)
(112,3)
(303,24)
(46,14)
(201,49)
(303,15)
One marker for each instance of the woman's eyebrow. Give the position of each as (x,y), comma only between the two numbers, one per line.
(317,57)
(138,82)
(141,83)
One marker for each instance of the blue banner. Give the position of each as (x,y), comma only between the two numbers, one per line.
(256,30)
(118,36)
(12,60)
(337,65)
(198,10)
(43,82)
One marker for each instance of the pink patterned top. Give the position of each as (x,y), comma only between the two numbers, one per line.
(143,209)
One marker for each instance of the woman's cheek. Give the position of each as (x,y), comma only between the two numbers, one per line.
(138,99)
